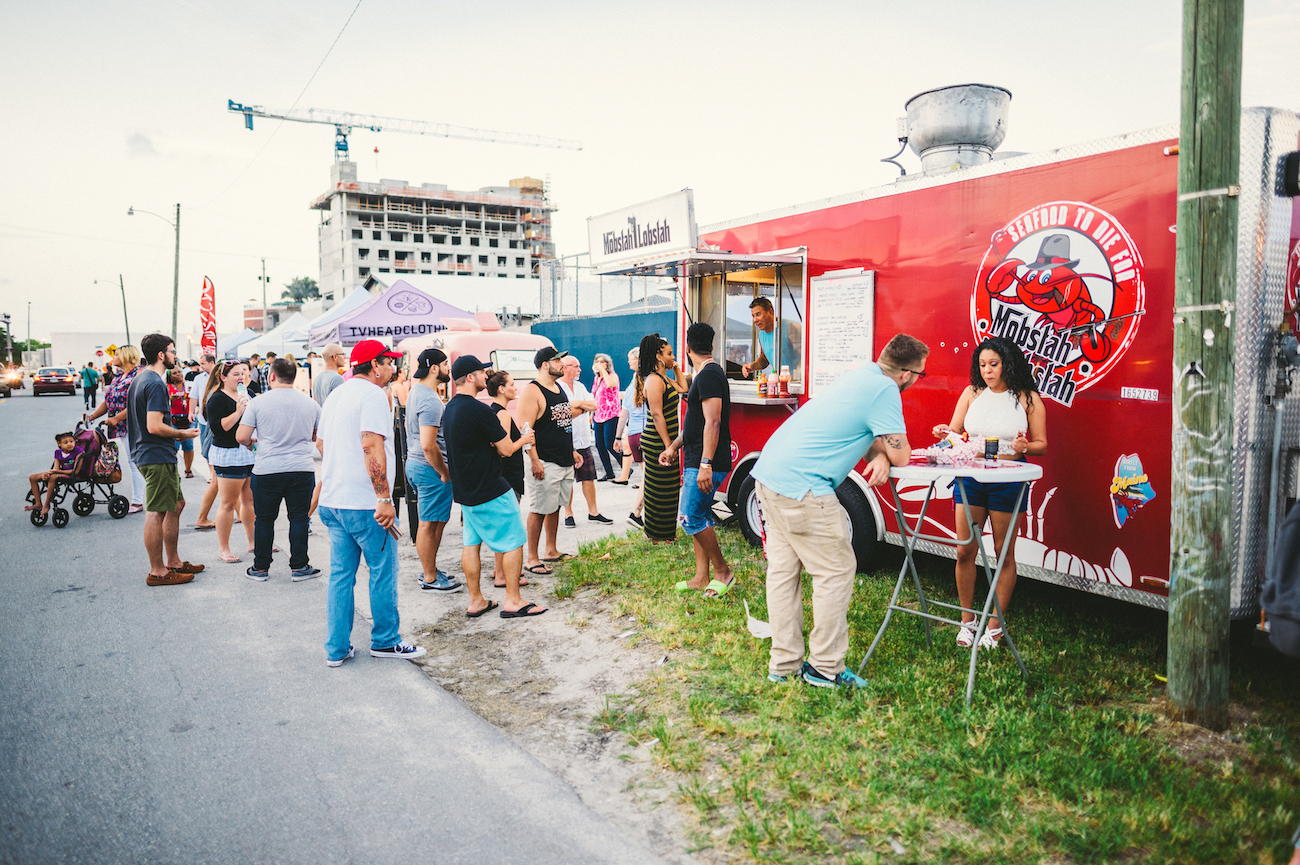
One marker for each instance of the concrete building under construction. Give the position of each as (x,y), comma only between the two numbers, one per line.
(393,228)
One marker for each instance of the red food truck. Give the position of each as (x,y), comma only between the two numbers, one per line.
(957,253)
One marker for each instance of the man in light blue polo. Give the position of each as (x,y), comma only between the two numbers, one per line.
(806,527)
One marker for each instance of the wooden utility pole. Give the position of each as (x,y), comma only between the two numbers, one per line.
(1201,484)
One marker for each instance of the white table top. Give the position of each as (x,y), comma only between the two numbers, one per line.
(985,471)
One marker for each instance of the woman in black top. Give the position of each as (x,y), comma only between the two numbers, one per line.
(501,387)
(232,463)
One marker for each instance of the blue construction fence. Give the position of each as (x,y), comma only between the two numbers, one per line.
(615,335)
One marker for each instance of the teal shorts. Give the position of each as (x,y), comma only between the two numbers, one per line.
(495,523)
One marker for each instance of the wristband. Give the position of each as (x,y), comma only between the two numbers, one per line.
(383,501)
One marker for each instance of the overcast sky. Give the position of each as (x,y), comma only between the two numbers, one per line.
(754,105)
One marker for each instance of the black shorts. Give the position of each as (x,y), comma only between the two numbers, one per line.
(588,470)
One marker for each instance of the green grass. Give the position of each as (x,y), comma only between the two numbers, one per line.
(1076,766)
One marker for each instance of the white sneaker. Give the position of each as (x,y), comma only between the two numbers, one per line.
(966,635)
(402,650)
(352,653)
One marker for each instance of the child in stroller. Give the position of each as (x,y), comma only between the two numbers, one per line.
(68,457)
(85,464)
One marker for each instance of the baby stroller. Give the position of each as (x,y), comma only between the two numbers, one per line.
(91,485)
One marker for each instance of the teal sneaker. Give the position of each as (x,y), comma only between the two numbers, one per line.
(777,679)
(846,678)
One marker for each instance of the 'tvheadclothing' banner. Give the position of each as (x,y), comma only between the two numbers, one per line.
(208,317)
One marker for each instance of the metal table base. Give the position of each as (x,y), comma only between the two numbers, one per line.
(991,604)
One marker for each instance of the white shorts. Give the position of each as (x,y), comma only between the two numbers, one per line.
(552,492)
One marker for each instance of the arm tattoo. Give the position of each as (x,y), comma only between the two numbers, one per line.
(894,441)
(376,462)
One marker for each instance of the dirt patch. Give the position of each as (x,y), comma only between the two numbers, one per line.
(544,682)
(1197,746)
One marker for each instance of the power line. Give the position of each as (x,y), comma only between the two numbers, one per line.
(302,93)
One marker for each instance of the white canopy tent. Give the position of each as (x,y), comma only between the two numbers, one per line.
(354,301)
(289,338)
(227,345)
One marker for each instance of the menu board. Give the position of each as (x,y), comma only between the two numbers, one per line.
(841,316)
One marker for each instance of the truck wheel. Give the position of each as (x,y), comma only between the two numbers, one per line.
(747,512)
(862,524)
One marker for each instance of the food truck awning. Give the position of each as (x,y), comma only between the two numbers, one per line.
(702,263)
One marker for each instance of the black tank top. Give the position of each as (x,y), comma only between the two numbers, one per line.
(554,429)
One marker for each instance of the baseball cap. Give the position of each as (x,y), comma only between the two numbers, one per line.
(550,352)
(369,349)
(466,364)
(429,358)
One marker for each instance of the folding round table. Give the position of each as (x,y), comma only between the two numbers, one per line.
(984,471)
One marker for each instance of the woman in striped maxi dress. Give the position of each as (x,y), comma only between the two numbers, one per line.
(664,386)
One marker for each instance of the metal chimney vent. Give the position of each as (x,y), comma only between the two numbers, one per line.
(957,127)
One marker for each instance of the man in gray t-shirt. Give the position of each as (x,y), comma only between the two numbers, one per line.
(426,465)
(329,377)
(284,420)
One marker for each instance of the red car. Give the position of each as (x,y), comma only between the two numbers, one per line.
(54,379)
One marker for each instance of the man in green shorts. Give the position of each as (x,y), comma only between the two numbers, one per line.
(153,449)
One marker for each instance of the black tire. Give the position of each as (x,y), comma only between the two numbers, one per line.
(862,522)
(118,506)
(747,512)
(38,518)
(61,518)
(83,504)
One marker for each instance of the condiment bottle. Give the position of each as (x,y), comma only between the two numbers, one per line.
(773,385)
(761,380)
(991,447)
(785,381)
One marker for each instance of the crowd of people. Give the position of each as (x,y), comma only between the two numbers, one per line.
(261,427)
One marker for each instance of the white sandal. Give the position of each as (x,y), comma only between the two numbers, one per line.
(966,636)
(990,638)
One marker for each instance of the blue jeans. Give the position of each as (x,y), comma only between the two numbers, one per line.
(352,534)
(294,489)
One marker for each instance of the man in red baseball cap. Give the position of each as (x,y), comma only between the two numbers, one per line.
(356,504)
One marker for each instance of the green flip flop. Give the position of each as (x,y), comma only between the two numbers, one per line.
(683,586)
(719,588)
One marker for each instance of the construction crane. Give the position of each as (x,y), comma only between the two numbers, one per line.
(345,121)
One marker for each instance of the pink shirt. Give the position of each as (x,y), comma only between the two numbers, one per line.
(609,403)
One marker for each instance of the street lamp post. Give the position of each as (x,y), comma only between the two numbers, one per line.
(265,308)
(176,269)
(191,341)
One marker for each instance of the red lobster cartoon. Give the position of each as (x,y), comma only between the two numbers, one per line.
(1051,287)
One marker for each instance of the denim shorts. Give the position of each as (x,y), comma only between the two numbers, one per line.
(205,439)
(495,523)
(233,472)
(696,510)
(994,497)
(433,497)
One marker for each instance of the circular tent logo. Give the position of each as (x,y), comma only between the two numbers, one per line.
(409,303)
(1064,281)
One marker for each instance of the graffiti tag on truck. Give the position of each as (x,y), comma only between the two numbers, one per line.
(1064,281)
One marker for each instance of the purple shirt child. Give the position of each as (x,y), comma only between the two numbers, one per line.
(67,461)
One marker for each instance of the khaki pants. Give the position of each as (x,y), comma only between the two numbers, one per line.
(811,534)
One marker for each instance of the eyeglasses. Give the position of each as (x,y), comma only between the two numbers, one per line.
(914,372)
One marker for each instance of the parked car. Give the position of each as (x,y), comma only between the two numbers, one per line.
(11,379)
(54,379)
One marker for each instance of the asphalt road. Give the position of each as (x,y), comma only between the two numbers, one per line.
(199,723)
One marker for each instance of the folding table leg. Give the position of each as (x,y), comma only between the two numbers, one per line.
(992,600)
(908,547)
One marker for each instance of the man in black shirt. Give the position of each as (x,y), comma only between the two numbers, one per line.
(705,440)
(475,444)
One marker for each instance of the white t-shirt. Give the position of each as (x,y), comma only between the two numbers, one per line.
(583,437)
(195,392)
(354,407)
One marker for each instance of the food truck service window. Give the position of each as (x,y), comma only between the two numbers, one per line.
(764,324)
(517,362)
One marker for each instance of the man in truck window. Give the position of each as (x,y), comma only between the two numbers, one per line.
(765,325)
(806,528)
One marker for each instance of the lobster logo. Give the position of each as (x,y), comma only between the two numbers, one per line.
(1064,282)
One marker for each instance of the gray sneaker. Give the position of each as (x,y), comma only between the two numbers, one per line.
(254,574)
(307,573)
(445,584)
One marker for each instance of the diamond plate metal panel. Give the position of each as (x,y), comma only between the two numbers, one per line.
(1263,232)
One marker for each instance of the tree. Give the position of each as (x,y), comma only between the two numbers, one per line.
(301,289)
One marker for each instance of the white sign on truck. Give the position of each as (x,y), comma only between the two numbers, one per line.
(662,226)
